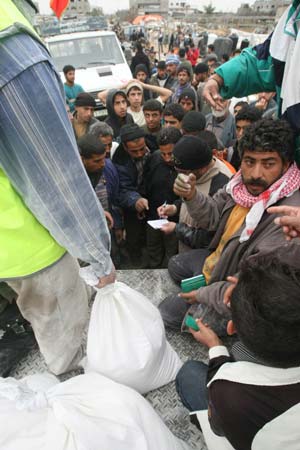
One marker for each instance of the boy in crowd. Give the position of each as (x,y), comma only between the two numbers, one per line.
(200,78)
(247,115)
(184,79)
(134,93)
(71,88)
(152,110)
(160,175)
(188,99)
(253,404)
(116,104)
(173,115)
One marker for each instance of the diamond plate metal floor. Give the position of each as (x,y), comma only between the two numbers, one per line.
(156,285)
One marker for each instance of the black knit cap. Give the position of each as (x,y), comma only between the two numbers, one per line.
(130,132)
(85,99)
(193,121)
(191,153)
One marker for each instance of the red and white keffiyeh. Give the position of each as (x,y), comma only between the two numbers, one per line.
(283,187)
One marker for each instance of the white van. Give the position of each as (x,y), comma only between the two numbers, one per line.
(97,57)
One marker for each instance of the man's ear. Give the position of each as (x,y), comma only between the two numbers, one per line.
(231,328)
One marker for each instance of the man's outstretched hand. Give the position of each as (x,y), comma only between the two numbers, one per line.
(289,221)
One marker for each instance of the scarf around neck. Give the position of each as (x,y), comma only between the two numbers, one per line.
(285,186)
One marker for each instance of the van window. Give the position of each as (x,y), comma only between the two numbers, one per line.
(86,52)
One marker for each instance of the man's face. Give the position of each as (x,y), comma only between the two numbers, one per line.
(70,76)
(135,97)
(171,121)
(84,113)
(94,164)
(136,149)
(161,73)
(260,170)
(183,77)
(224,111)
(211,67)
(153,119)
(171,69)
(197,172)
(141,76)
(200,77)
(120,106)
(237,109)
(166,152)
(107,141)
(187,104)
(240,127)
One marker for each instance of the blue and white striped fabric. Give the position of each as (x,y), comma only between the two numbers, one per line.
(38,152)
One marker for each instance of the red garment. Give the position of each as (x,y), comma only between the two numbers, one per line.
(192,56)
(59,6)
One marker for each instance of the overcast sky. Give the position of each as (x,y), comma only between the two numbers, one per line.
(114,5)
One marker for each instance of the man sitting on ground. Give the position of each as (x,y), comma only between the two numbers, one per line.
(254,402)
(192,155)
(237,214)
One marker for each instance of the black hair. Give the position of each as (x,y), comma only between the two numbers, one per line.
(181,53)
(175,110)
(248,113)
(152,105)
(241,103)
(211,47)
(169,135)
(201,68)
(210,138)
(90,145)
(211,58)
(225,56)
(68,68)
(267,135)
(265,307)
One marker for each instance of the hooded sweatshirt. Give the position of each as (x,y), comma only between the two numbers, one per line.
(113,120)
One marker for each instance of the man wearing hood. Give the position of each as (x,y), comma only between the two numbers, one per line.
(188,100)
(116,104)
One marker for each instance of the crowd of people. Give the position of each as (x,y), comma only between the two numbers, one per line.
(216,173)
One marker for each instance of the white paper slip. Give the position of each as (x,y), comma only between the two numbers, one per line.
(157,224)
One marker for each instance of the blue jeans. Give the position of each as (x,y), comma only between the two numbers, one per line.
(191,385)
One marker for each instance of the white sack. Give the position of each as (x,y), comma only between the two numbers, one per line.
(127,341)
(87,412)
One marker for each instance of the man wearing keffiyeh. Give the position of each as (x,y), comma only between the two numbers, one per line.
(238,216)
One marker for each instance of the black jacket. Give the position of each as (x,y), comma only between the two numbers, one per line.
(159,180)
(113,120)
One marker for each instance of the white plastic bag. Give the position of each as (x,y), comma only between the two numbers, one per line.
(88,412)
(127,342)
